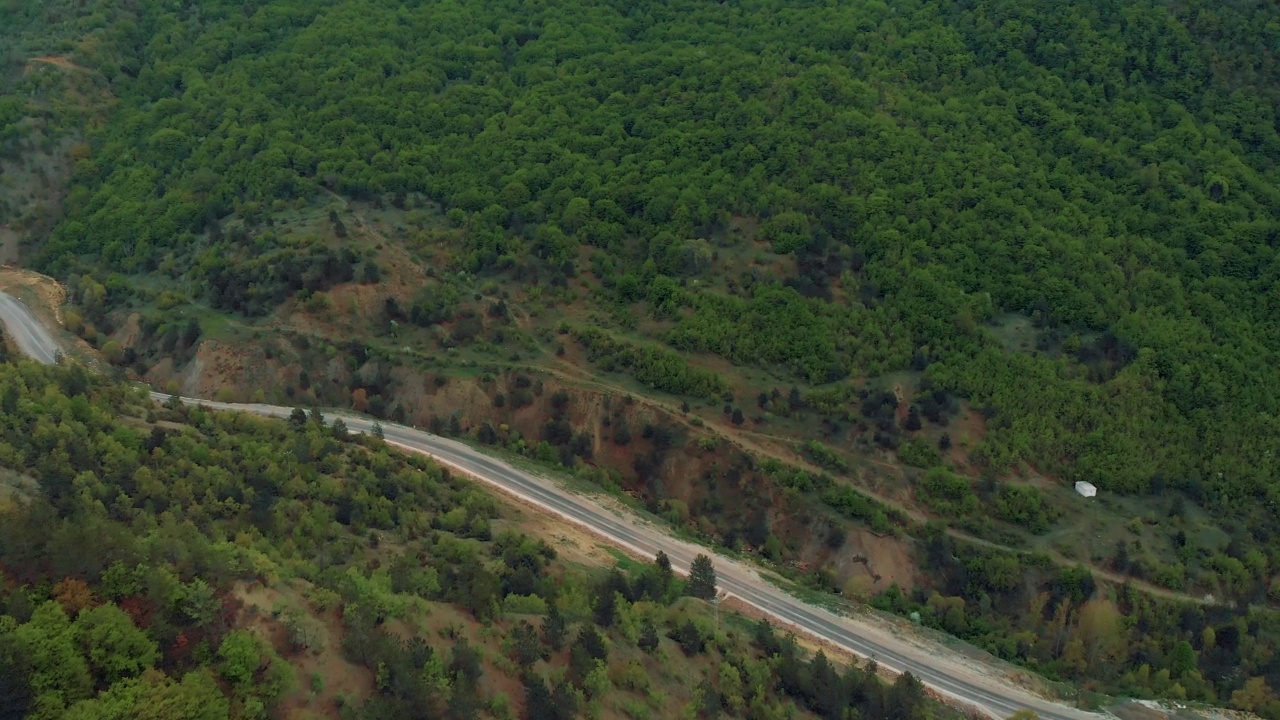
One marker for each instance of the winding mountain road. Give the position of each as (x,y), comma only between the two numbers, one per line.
(938,668)
(28,334)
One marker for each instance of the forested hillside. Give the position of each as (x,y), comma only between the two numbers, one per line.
(958,254)
(1087,164)
(171,563)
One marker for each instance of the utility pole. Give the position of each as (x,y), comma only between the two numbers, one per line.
(715,603)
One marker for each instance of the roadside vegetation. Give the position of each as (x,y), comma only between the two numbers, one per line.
(170,562)
(863,278)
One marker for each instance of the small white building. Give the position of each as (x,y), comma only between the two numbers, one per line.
(1086,489)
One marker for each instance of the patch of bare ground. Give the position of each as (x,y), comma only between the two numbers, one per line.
(1040,480)
(227,371)
(145,426)
(45,297)
(870,563)
(338,677)
(446,623)
(352,305)
(163,376)
(570,542)
(967,430)
(129,332)
(717,364)
(904,404)
(574,358)
(840,294)
(57,61)
(745,225)
(465,397)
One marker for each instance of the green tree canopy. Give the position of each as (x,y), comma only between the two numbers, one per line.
(702,578)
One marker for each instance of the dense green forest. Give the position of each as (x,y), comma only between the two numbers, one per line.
(921,174)
(122,568)
(1097,166)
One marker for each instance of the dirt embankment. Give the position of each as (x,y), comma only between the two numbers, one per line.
(653,454)
(46,298)
(44,295)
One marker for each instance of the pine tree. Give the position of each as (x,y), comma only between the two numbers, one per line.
(664,573)
(564,701)
(616,582)
(906,698)
(524,645)
(648,637)
(605,607)
(765,638)
(587,648)
(689,637)
(537,699)
(702,579)
(828,695)
(711,701)
(591,641)
(553,629)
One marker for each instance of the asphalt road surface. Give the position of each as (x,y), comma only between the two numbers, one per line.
(31,337)
(736,579)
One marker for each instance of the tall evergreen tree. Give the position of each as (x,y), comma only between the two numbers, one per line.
(553,629)
(664,574)
(524,645)
(564,701)
(648,637)
(702,579)
(537,699)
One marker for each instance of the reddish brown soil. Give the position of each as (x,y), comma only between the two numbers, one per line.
(214,363)
(970,427)
(129,333)
(340,676)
